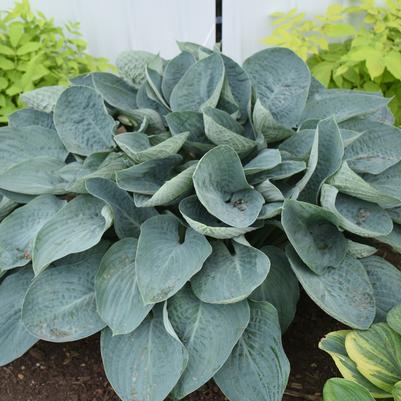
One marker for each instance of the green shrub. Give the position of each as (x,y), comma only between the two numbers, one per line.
(368,55)
(34,52)
(176,210)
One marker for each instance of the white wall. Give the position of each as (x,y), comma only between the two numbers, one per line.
(112,26)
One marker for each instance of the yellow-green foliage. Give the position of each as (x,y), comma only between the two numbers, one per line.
(34,52)
(349,47)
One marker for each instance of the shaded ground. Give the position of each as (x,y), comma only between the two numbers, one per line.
(74,372)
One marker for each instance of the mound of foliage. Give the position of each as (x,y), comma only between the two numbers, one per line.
(177,208)
(365,54)
(34,52)
(371,358)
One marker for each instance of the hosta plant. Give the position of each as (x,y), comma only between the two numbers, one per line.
(177,207)
(371,358)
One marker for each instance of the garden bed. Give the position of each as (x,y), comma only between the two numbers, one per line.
(74,372)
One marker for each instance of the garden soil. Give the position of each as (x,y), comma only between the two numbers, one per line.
(74,372)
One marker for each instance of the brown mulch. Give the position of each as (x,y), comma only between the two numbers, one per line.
(74,372)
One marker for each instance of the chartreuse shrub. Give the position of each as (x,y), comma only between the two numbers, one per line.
(177,208)
(349,47)
(34,52)
(371,358)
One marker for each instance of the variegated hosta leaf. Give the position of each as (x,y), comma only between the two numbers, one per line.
(14,338)
(147,363)
(200,86)
(342,105)
(139,149)
(173,72)
(168,255)
(334,344)
(208,332)
(341,389)
(377,354)
(394,318)
(221,187)
(386,283)
(258,368)
(115,91)
(280,287)
(170,192)
(127,217)
(82,121)
(311,231)
(34,177)
(230,275)
(205,223)
(60,303)
(146,178)
(282,81)
(118,300)
(344,292)
(28,117)
(264,160)
(222,129)
(357,216)
(19,229)
(24,143)
(350,183)
(330,154)
(76,227)
(378,148)
(42,99)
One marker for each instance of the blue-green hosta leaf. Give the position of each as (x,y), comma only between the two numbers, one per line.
(280,288)
(311,231)
(146,178)
(203,222)
(20,144)
(118,300)
(377,354)
(221,187)
(147,363)
(286,169)
(28,117)
(395,214)
(357,216)
(394,318)
(386,283)
(270,210)
(230,276)
(222,129)
(42,99)
(78,226)
(170,192)
(334,344)
(208,332)
(60,303)
(330,153)
(7,205)
(258,368)
(350,183)
(265,160)
(82,121)
(153,120)
(343,105)
(17,197)
(200,86)
(14,337)
(127,217)
(282,81)
(341,389)
(344,292)
(83,80)
(154,81)
(34,177)
(146,98)
(132,64)
(115,91)
(168,256)
(376,149)
(358,250)
(19,229)
(175,69)
(139,149)
(393,239)
(270,192)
